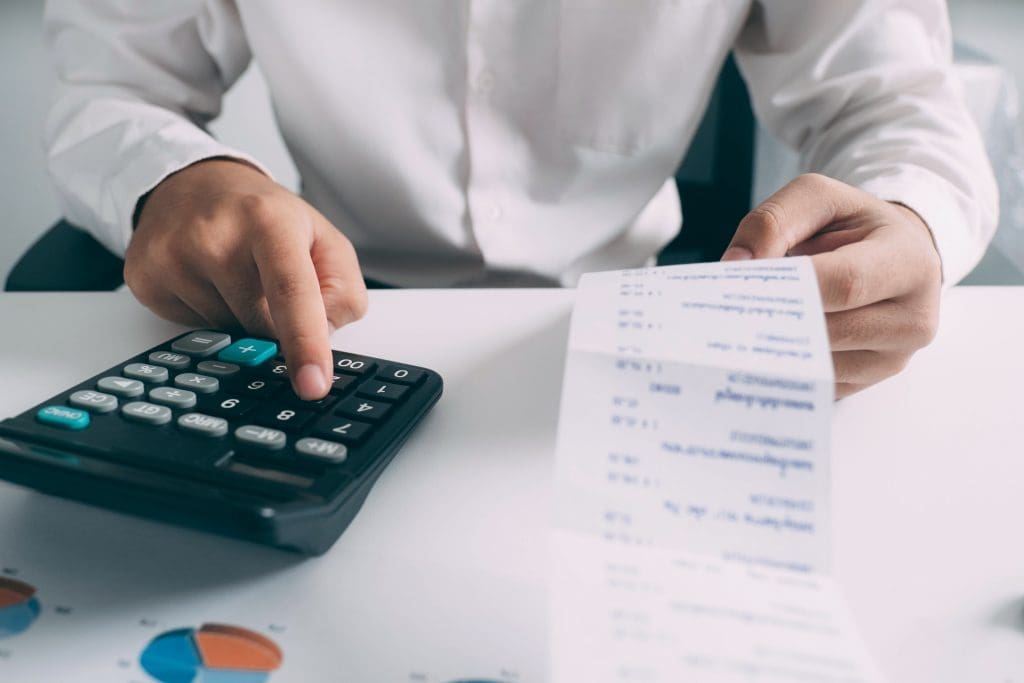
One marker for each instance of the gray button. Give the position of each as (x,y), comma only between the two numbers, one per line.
(328,451)
(140,411)
(261,437)
(121,386)
(175,398)
(153,374)
(201,344)
(217,368)
(175,361)
(207,425)
(93,401)
(200,383)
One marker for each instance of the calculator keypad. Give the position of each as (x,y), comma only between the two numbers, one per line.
(244,398)
(206,432)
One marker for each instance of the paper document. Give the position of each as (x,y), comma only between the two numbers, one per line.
(692,481)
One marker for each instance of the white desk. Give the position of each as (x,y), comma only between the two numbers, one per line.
(927,469)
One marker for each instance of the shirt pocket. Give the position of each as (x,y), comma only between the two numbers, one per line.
(636,73)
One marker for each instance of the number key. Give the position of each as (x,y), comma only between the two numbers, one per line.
(383,391)
(340,382)
(259,388)
(362,408)
(228,406)
(351,364)
(276,369)
(319,406)
(285,419)
(400,373)
(341,429)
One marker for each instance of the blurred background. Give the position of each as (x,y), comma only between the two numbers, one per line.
(991,64)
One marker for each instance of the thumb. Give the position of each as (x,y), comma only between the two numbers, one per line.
(804,207)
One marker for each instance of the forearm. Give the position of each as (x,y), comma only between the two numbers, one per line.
(865,92)
(135,83)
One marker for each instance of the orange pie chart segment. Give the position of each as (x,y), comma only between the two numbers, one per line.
(231,647)
(14,592)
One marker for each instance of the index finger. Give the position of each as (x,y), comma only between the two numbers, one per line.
(296,306)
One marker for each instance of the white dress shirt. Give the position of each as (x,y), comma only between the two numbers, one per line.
(484,141)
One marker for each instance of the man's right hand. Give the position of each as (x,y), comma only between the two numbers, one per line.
(220,245)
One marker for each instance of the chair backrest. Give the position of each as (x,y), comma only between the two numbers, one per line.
(714,180)
(716,177)
(66,259)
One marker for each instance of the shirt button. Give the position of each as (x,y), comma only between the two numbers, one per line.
(484,82)
(497,212)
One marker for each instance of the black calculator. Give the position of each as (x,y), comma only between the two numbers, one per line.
(205,431)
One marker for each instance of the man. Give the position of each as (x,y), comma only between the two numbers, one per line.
(503,141)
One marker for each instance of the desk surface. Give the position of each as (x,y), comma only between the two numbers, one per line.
(927,476)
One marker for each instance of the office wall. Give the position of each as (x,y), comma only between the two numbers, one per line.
(26,202)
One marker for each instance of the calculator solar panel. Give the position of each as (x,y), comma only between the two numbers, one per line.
(205,431)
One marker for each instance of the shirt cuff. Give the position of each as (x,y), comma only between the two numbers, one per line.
(165,152)
(945,210)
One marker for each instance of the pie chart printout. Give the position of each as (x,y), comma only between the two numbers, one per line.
(212,653)
(19,607)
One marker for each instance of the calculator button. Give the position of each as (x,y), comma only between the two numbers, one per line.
(261,437)
(327,451)
(384,391)
(341,429)
(288,419)
(353,365)
(175,361)
(277,369)
(400,373)
(259,388)
(201,383)
(121,386)
(249,352)
(154,374)
(175,398)
(363,409)
(341,382)
(228,406)
(93,401)
(65,418)
(201,344)
(215,368)
(140,411)
(205,425)
(320,406)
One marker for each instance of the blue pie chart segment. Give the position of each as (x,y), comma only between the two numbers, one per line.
(172,657)
(17,618)
(18,606)
(213,653)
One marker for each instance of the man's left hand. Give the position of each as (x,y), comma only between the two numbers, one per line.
(879,273)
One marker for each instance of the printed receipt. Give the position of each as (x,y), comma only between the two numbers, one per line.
(692,485)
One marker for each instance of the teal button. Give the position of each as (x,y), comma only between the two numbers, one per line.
(248,352)
(63,417)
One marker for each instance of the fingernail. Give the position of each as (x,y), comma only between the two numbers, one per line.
(310,383)
(737,254)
